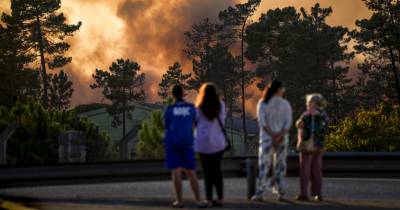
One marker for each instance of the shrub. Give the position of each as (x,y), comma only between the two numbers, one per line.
(36,139)
(150,144)
(367,131)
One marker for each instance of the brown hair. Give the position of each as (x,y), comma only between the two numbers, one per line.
(208,101)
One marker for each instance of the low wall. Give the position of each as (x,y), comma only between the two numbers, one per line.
(355,164)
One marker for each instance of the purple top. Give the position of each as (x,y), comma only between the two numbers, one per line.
(209,137)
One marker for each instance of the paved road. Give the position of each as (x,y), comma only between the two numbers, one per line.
(339,192)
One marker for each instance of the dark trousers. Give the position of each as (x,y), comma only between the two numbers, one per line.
(211,164)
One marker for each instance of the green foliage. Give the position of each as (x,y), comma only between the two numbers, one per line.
(60,91)
(36,139)
(173,76)
(122,84)
(150,144)
(369,131)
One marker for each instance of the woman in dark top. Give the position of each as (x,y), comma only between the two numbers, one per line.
(312,126)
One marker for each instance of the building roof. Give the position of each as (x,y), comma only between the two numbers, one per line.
(142,112)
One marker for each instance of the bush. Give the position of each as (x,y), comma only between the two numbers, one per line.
(36,139)
(150,144)
(369,131)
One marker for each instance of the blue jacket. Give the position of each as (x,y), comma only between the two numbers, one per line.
(179,120)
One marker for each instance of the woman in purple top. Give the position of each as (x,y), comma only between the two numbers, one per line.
(210,141)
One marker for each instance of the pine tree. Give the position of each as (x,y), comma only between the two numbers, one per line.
(60,91)
(18,81)
(378,38)
(236,19)
(150,145)
(173,76)
(45,31)
(122,84)
(219,66)
(305,52)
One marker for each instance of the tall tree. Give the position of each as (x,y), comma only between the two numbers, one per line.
(45,31)
(60,91)
(219,66)
(378,37)
(173,76)
(202,35)
(301,49)
(122,84)
(236,19)
(18,81)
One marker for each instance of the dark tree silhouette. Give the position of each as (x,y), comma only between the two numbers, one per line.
(17,81)
(301,49)
(122,84)
(44,30)
(378,38)
(173,76)
(236,19)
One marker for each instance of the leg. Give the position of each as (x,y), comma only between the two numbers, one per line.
(177,182)
(194,184)
(279,172)
(264,163)
(305,170)
(316,173)
(218,181)
(207,171)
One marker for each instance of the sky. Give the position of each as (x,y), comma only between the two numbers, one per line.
(150,32)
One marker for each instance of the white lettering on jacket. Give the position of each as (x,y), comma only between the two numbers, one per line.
(181,111)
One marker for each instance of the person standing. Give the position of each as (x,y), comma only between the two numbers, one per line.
(274,115)
(312,126)
(210,140)
(179,121)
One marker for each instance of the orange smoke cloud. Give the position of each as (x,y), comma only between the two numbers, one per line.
(147,31)
(151,33)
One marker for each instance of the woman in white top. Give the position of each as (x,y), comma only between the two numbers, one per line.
(274,115)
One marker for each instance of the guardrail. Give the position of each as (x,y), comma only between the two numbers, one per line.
(335,164)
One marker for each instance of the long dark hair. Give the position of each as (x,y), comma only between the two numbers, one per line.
(271,89)
(208,101)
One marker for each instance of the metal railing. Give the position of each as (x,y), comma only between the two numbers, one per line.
(335,164)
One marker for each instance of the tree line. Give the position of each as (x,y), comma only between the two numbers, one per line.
(296,46)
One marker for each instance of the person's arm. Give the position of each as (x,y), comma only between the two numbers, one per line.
(261,120)
(222,114)
(268,130)
(287,124)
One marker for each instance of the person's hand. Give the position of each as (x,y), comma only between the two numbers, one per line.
(277,140)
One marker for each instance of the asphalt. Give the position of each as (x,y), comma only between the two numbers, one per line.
(339,193)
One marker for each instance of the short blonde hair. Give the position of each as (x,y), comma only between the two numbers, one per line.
(318,99)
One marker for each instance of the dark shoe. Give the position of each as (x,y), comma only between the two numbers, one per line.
(177,205)
(301,198)
(203,205)
(280,197)
(318,198)
(217,203)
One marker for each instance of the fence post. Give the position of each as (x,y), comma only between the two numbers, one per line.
(251,176)
(4,136)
